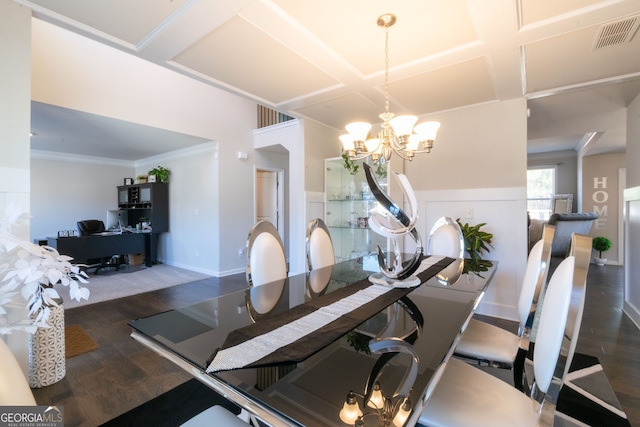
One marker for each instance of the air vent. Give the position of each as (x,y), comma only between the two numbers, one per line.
(617,33)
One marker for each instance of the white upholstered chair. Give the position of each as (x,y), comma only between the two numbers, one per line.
(218,416)
(491,345)
(466,396)
(446,239)
(319,245)
(320,257)
(266,261)
(14,388)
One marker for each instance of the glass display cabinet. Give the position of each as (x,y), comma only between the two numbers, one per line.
(348,206)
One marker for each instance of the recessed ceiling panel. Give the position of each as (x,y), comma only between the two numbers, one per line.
(338,112)
(569,59)
(537,10)
(349,28)
(239,54)
(466,83)
(127,20)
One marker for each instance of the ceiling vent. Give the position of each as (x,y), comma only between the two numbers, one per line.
(617,33)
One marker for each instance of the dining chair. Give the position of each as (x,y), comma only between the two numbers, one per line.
(580,249)
(446,239)
(14,388)
(266,260)
(320,251)
(216,416)
(490,345)
(464,395)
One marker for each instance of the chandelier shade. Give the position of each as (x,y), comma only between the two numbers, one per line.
(399,135)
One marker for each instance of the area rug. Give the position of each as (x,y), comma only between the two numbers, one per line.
(174,407)
(130,281)
(587,399)
(77,341)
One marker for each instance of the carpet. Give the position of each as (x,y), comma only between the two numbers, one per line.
(586,399)
(77,341)
(130,280)
(174,407)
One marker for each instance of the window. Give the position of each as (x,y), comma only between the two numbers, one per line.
(541,185)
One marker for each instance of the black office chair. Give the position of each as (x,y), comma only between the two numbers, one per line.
(90,227)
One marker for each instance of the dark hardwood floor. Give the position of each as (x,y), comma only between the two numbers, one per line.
(123,374)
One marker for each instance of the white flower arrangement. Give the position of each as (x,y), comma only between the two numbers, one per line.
(31,271)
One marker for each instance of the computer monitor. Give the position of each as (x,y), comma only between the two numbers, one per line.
(116,219)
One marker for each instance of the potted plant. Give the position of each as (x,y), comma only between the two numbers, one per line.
(476,241)
(161,174)
(601,244)
(350,165)
(28,273)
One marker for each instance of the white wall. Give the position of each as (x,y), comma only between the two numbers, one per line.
(488,142)
(15,105)
(632,220)
(67,189)
(193,208)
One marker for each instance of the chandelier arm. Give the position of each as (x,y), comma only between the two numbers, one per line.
(360,156)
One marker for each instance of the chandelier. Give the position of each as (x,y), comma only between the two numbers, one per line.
(391,410)
(397,134)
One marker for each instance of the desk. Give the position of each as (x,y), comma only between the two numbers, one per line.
(312,392)
(85,248)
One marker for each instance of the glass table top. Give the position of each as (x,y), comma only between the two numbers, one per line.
(312,392)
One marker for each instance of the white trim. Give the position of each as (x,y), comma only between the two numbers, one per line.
(212,273)
(205,147)
(78,158)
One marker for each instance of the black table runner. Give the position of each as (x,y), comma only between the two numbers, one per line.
(316,340)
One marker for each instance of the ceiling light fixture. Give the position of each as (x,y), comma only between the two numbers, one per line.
(391,410)
(397,134)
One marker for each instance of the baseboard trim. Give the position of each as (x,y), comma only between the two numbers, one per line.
(632,313)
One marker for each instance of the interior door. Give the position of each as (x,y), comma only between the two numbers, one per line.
(267,197)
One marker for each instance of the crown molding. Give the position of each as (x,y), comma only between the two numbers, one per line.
(104,161)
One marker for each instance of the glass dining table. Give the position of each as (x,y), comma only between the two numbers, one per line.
(306,380)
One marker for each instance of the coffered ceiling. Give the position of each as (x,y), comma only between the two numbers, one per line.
(324,60)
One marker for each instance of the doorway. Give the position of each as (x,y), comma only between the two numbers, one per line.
(269,197)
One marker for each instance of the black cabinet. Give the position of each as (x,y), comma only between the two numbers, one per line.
(149,200)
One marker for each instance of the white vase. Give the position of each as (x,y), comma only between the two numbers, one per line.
(47,364)
(600,261)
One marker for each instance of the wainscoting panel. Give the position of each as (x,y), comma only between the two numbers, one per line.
(505,213)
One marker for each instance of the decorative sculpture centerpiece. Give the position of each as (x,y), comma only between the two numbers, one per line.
(395,224)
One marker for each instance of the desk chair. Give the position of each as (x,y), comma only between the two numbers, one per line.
(90,227)
(489,345)
(446,239)
(14,388)
(466,396)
